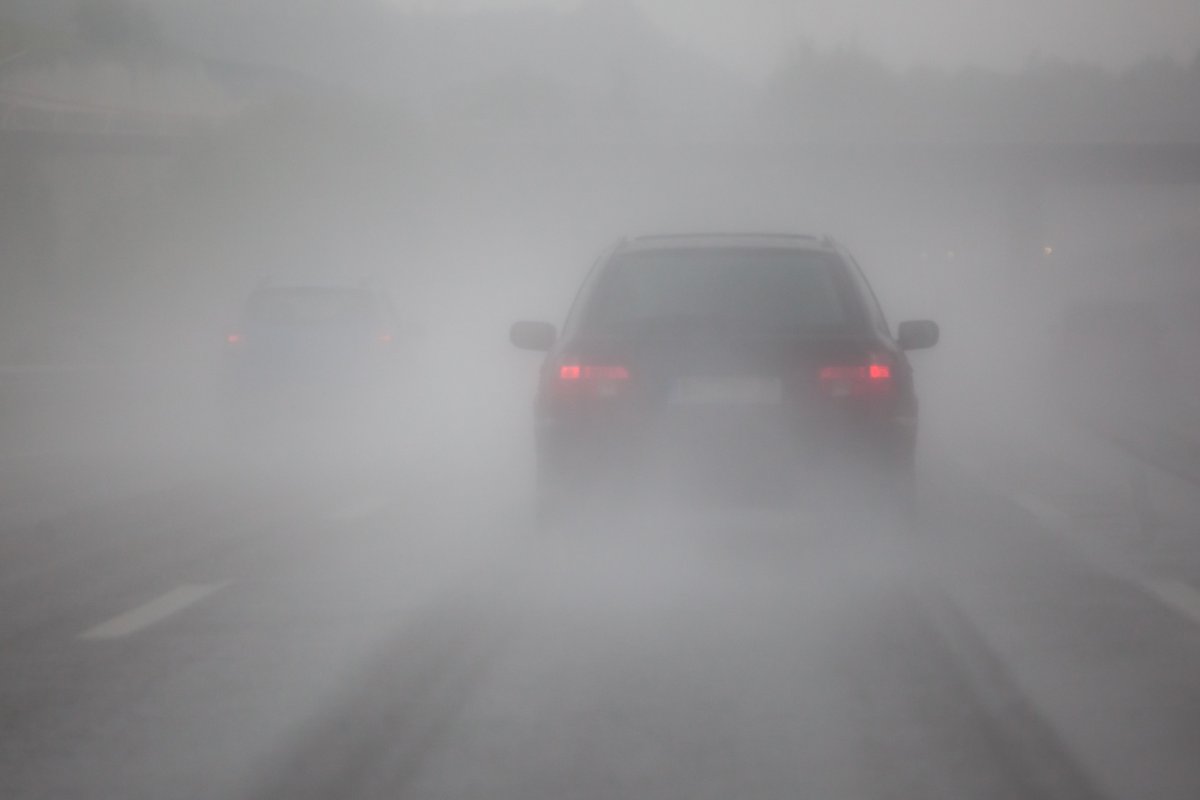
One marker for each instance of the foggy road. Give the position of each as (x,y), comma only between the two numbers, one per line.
(327,328)
(325,628)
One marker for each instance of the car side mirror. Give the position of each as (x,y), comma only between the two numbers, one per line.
(533,335)
(917,334)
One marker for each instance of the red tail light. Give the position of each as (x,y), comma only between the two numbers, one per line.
(873,378)
(582,372)
(576,380)
(233,339)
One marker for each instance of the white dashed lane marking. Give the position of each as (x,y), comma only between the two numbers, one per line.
(152,612)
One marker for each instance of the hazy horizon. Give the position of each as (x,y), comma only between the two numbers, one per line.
(755,35)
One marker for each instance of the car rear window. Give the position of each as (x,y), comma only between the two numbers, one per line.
(767,291)
(315,306)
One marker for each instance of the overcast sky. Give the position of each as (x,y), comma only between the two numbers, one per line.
(751,34)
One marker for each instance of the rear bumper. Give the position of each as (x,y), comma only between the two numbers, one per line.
(718,453)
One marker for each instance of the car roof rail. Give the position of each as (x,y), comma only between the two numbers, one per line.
(726,235)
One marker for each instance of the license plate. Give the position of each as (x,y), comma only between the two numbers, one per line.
(727,390)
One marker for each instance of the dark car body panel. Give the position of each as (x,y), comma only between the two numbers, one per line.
(761,409)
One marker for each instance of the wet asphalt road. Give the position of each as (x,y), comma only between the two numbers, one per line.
(344,626)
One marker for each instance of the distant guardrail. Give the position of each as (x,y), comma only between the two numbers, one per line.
(39,122)
(36,123)
(35,112)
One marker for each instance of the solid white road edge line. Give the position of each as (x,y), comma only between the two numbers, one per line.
(150,613)
(1176,595)
(1045,513)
